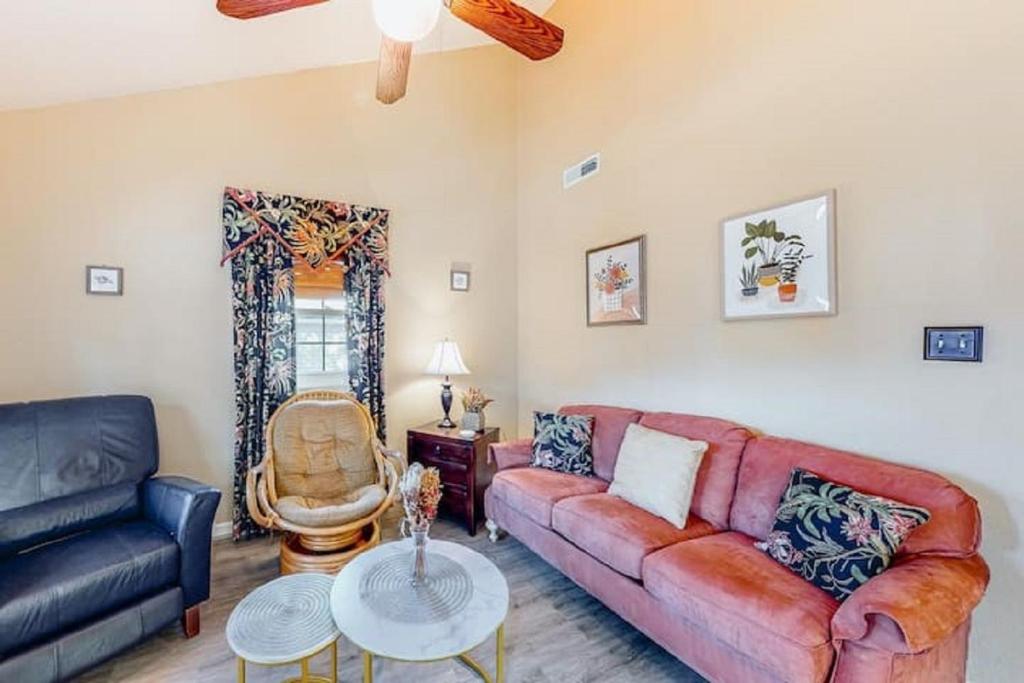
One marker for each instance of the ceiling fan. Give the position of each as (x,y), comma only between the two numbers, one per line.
(403,22)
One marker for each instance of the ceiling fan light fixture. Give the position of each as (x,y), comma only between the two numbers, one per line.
(406,21)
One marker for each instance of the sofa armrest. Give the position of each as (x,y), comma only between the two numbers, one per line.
(185,509)
(926,598)
(509,454)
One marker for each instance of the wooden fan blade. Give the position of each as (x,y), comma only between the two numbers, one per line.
(507,22)
(250,9)
(393,70)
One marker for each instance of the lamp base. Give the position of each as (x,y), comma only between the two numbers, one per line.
(446,403)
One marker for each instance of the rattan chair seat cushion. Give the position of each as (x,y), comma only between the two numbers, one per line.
(332,510)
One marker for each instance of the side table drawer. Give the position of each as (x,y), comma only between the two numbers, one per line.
(434,450)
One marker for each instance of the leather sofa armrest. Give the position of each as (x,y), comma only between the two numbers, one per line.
(185,509)
(509,454)
(914,605)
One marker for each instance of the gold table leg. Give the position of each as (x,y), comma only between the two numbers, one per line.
(334,662)
(367,667)
(241,670)
(500,677)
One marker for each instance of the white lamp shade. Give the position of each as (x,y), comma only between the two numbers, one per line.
(406,20)
(447,360)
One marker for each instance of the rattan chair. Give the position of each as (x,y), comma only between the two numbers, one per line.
(325,481)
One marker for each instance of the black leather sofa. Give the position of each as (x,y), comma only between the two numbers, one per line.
(95,552)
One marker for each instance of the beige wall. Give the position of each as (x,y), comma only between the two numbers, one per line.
(702,109)
(137,182)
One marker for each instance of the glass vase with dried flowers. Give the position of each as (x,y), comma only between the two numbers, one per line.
(421,494)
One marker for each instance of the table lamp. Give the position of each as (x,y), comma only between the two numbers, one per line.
(447,361)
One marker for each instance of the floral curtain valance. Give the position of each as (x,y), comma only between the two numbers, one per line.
(316,231)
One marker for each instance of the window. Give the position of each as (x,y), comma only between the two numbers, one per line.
(321,348)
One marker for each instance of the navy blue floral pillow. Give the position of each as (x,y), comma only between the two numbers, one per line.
(563,443)
(835,537)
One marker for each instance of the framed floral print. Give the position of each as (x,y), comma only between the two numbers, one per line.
(617,283)
(780,262)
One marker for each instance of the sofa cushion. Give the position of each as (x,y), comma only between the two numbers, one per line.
(533,491)
(716,478)
(57,587)
(72,448)
(955,526)
(747,600)
(617,532)
(563,443)
(836,537)
(609,428)
(656,471)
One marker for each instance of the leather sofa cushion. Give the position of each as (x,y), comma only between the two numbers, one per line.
(609,429)
(533,491)
(57,587)
(739,595)
(58,449)
(618,533)
(716,478)
(955,525)
(32,525)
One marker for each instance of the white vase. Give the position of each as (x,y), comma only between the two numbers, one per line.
(473,422)
(612,302)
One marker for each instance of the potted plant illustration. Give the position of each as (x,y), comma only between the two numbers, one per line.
(764,239)
(611,281)
(748,280)
(473,403)
(790,267)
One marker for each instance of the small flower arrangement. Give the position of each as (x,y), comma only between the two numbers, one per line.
(421,494)
(474,400)
(613,277)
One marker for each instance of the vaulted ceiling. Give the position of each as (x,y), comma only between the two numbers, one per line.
(55,51)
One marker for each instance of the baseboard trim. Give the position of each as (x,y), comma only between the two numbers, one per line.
(221,531)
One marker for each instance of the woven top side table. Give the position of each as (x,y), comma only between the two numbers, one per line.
(286,621)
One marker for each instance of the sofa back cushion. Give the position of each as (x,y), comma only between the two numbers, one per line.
(609,429)
(716,478)
(68,464)
(955,525)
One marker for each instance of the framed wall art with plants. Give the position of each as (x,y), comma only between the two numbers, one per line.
(780,262)
(617,283)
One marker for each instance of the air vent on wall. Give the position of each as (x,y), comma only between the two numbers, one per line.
(581,171)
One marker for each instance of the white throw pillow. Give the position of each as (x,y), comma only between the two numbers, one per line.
(657,472)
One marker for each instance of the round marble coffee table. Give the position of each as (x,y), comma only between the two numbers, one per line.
(463,602)
(283,622)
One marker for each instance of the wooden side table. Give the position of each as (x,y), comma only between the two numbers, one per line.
(463,465)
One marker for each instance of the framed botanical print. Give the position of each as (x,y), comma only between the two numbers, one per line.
(617,283)
(780,262)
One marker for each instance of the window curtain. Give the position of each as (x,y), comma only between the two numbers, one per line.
(365,274)
(265,236)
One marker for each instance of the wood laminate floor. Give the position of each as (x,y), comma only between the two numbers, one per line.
(556,633)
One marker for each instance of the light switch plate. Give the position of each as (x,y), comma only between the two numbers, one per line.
(963,344)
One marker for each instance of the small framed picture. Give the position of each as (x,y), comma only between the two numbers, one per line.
(104,280)
(617,283)
(460,280)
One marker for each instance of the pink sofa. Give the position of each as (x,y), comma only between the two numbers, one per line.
(727,610)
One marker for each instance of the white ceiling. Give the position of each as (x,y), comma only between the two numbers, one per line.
(54,51)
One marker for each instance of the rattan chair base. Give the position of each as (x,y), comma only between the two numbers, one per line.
(296,559)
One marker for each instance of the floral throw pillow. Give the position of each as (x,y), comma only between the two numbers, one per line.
(563,443)
(836,537)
